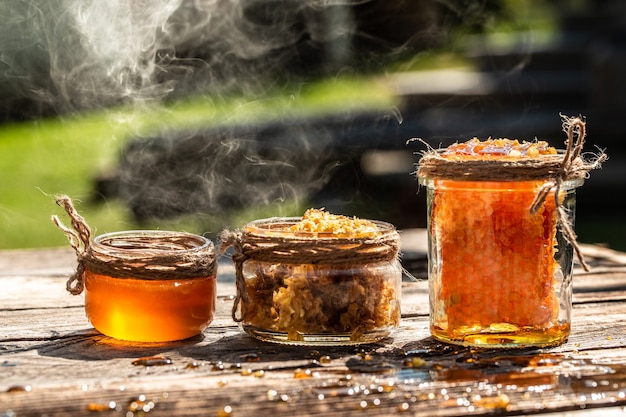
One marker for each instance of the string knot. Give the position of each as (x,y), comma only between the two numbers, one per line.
(572,166)
(79,237)
(233,239)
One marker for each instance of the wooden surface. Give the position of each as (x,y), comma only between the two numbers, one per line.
(52,362)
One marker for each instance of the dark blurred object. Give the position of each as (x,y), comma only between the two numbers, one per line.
(222,170)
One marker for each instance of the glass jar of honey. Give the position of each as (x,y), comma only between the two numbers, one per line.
(150,286)
(500,243)
(321,279)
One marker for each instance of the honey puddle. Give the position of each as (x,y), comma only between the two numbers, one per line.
(157,360)
(509,382)
(459,381)
(472,382)
(463,381)
(135,406)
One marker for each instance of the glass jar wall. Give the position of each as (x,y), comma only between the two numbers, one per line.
(319,289)
(150,286)
(500,275)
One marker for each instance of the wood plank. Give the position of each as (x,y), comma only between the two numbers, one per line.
(48,261)
(594,327)
(27,289)
(47,344)
(62,312)
(452,385)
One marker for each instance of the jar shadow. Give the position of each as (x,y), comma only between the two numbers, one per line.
(90,345)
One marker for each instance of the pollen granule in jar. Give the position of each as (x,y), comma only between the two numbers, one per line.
(322,279)
(501,244)
(144,286)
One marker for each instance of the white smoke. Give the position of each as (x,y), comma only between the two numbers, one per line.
(112,49)
(75,54)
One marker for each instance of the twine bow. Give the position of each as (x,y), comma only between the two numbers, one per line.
(228,239)
(80,240)
(570,166)
(573,150)
(553,169)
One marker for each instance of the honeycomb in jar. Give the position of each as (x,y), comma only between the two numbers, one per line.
(322,222)
(497,258)
(498,148)
(349,297)
(316,299)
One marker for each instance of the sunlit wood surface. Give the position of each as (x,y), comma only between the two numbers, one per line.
(52,362)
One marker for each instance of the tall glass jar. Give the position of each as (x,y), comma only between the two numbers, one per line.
(150,286)
(310,288)
(501,238)
(500,274)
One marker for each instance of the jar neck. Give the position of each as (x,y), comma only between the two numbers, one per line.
(465,184)
(151,255)
(263,241)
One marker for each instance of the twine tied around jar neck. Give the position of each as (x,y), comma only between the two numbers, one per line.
(567,165)
(80,240)
(147,255)
(228,239)
(555,169)
(571,166)
(295,250)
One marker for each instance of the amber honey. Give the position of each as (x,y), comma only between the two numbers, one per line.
(147,310)
(150,286)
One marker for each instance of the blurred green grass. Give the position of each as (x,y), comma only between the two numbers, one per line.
(44,158)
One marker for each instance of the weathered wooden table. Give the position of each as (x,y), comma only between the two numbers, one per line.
(52,362)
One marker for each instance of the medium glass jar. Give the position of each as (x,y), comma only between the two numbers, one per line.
(500,274)
(150,286)
(311,288)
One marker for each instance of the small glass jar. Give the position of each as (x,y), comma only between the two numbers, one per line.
(312,288)
(150,286)
(500,274)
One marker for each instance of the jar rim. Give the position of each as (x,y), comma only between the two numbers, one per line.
(268,240)
(130,241)
(278,227)
(151,254)
(546,167)
(430,182)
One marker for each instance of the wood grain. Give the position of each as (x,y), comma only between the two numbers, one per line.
(53,363)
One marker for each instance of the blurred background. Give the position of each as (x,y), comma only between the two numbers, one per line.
(201,115)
